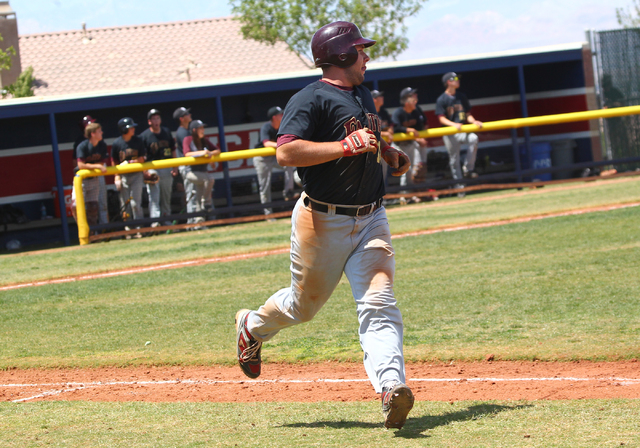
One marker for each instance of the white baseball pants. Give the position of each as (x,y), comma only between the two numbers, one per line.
(323,246)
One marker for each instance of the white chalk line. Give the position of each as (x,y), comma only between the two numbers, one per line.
(72,387)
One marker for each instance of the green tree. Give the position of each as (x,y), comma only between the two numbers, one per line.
(23,86)
(629,17)
(5,56)
(295,21)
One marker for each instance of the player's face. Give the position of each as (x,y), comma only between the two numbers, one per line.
(97,134)
(355,73)
(379,102)
(411,101)
(155,121)
(276,120)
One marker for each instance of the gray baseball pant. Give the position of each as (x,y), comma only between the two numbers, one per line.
(323,246)
(189,191)
(132,184)
(454,143)
(417,154)
(102,201)
(160,194)
(264,166)
(202,182)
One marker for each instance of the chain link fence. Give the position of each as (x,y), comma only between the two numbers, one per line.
(618,70)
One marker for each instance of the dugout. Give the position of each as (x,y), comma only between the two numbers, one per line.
(38,133)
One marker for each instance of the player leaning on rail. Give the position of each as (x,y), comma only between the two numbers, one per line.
(331,132)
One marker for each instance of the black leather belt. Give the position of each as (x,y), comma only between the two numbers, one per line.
(363,210)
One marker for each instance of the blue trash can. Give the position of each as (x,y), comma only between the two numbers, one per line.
(541,158)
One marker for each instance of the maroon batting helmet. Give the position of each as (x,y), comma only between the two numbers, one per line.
(87,119)
(333,44)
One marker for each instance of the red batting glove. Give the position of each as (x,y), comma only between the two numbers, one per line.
(359,142)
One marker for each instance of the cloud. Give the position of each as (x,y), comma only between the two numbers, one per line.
(542,23)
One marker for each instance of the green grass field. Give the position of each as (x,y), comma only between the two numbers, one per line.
(556,289)
(583,423)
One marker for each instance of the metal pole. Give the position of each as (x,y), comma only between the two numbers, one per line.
(58,169)
(223,148)
(525,113)
(516,153)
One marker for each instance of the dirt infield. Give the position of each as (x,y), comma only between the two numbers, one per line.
(454,381)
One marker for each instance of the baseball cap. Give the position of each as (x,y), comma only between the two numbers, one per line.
(196,124)
(376,94)
(181,112)
(406,93)
(275,110)
(152,112)
(449,76)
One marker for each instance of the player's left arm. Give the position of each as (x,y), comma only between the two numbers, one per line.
(395,158)
(91,166)
(467,108)
(472,120)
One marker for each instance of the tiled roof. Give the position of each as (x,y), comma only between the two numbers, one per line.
(148,55)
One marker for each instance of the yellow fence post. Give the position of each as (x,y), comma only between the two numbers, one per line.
(81,211)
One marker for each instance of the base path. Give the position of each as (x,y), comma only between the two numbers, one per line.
(501,380)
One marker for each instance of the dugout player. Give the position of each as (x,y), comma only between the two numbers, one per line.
(197,145)
(452,109)
(160,145)
(128,148)
(386,125)
(103,213)
(183,115)
(265,165)
(409,119)
(92,154)
(331,132)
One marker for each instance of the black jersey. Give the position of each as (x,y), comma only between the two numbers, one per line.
(92,154)
(129,151)
(324,113)
(159,146)
(385,119)
(403,120)
(181,133)
(455,108)
(267,133)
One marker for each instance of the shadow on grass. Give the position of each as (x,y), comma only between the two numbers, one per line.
(416,425)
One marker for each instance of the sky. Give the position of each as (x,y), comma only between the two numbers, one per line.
(442,28)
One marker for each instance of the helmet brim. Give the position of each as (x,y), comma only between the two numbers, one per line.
(364,41)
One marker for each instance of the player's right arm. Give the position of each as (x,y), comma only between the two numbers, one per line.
(303,115)
(307,153)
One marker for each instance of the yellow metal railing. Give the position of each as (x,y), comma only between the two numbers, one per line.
(524,122)
(83,227)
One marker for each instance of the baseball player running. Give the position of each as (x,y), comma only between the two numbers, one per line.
(331,132)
